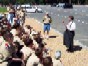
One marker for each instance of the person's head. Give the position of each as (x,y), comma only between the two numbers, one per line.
(41,45)
(18,46)
(38,52)
(4,18)
(28,42)
(15,26)
(47,13)
(28,26)
(8,36)
(4,15)
(18,29)
(47,61)
(71,18)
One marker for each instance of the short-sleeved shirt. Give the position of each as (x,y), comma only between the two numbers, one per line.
(17,39)
(6,50)
(26,52)
(71,26)
(33,59)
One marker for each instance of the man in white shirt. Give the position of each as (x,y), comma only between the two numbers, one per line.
(69,34)
(71,26)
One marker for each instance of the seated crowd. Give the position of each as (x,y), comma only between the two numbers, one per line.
(23,46)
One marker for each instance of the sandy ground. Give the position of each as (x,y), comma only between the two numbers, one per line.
(78,58)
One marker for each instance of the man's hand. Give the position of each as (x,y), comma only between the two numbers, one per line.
(64,24)
(63,21)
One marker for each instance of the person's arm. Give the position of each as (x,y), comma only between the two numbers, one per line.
(65,24)
(43,19)
(50,20)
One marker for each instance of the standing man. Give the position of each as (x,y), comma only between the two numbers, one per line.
(22,16)
(47,20)
(11,14)
(69,34)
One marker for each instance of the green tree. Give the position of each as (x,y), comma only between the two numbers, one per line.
(30,1)
(21,1)
(42,1)
(5,2)
(86,2)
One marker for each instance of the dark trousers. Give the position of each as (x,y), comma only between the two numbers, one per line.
(71,40)
(68,39)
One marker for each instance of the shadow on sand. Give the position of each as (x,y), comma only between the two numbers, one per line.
(53,36)
(77,48)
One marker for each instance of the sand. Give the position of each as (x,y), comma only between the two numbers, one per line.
(78,58)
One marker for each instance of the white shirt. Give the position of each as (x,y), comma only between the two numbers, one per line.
(27,52)
(71,26)
(32,60)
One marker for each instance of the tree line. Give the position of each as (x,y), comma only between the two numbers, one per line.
(81,2)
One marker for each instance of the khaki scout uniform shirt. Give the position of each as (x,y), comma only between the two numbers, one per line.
(6,50)
(33,59)
(27,52)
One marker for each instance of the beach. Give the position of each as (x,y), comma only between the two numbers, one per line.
(55,42)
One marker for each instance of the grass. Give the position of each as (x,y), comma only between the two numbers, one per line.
(3,9)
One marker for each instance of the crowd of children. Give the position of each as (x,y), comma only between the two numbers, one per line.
(21,45)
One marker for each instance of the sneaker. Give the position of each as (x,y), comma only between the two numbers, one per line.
(47,37)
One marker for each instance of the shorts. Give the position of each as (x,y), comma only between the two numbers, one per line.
(46,27)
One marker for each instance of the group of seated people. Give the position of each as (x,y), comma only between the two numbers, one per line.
(23,46)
